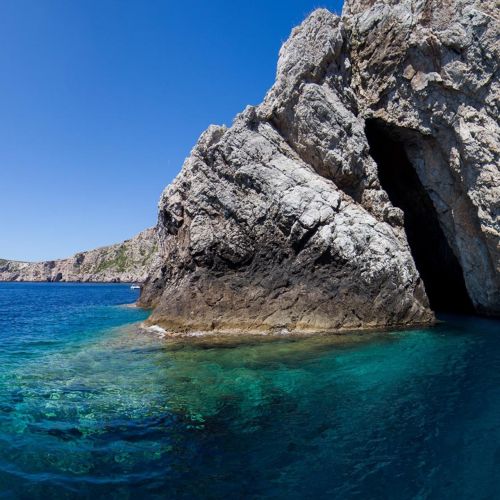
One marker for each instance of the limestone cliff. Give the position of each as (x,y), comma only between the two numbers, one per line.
(365,184)
(426,73)
(129,261)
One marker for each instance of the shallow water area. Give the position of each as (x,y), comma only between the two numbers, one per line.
(92,406)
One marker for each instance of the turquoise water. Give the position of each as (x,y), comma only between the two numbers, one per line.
(90,407)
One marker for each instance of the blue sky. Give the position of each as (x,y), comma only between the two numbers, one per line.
(101,101)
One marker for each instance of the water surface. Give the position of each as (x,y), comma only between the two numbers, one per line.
(92,407)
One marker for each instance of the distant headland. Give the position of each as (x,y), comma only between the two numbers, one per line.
(129,261)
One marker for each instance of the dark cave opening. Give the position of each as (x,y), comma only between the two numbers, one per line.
(437,264)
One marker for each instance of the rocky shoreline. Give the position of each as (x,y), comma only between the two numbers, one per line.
(342,334)
(127,262)
(364,191)
(362,194)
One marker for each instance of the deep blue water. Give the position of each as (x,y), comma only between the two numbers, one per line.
(91,407)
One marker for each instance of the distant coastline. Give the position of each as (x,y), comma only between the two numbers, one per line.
(126,262)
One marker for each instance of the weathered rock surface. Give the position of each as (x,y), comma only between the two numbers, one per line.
(428,69)
(130,261)
(281,221)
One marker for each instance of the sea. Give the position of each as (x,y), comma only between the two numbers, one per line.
(92,406)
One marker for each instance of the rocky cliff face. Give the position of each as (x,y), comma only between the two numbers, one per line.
(365,184)
(130,261)
(427,71)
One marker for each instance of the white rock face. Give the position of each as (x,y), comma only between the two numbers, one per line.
(281,223)
(130,261)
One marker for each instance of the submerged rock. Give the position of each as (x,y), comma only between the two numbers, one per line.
(129,261)
(283,222)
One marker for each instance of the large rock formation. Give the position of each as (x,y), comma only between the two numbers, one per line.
(428,72)
(129,261)
(284,221)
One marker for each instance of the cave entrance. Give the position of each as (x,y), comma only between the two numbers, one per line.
(436,263)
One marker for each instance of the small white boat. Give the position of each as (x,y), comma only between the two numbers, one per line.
(135,287)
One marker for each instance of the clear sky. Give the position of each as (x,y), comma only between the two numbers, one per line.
(101,101)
